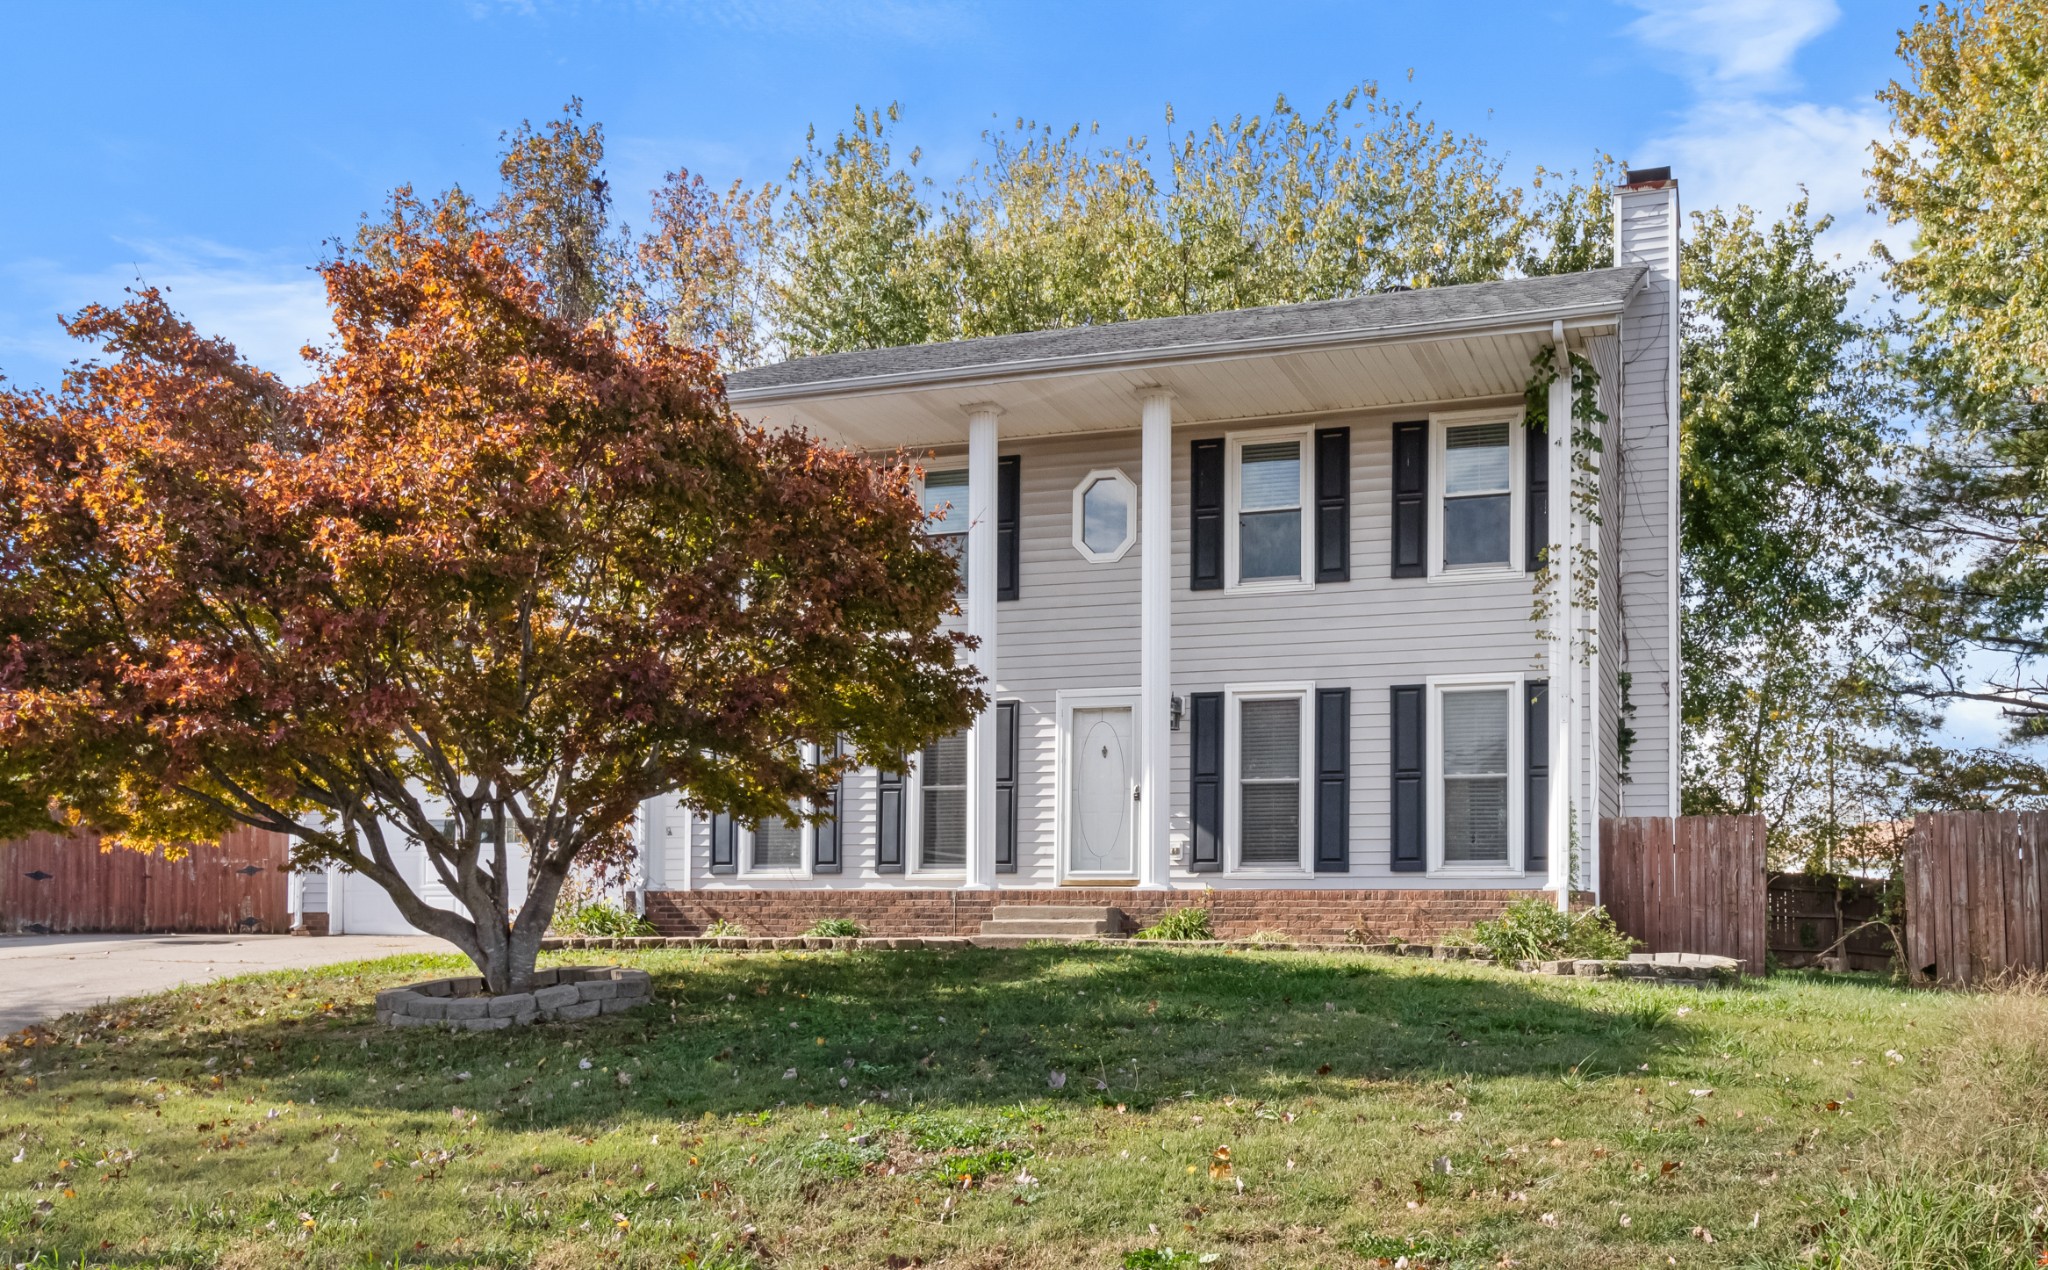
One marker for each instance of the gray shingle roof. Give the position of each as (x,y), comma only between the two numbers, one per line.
(1474,304)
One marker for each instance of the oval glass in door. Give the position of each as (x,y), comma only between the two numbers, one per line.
(1099,819)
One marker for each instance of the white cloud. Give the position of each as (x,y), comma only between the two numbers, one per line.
(1743,43)
(1746,137)
(266,305)
(1761,153)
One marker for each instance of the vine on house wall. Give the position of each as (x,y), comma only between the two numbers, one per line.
(1584,501)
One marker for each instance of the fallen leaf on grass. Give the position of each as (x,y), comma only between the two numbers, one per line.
(1056,1080)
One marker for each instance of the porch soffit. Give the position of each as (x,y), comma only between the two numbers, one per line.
(1436,345)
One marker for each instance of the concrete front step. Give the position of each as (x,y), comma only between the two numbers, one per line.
(1065,912)
(1052,927)
(1011,925)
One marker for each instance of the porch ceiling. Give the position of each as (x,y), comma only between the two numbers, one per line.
(1373,351)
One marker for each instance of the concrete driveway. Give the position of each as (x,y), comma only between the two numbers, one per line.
(42,976)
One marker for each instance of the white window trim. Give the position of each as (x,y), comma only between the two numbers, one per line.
(1233,694)
(1130,489)
(1518,783)
(1067,700)
(913,826)
(1440,422)
(1233,453)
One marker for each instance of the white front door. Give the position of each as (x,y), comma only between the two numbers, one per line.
(1101,768)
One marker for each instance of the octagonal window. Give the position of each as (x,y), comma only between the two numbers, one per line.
(1105,516)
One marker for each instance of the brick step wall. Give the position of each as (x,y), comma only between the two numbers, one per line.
(1323,916)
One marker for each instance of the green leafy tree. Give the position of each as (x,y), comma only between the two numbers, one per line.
(1784,462)
(554,213)
(1966,165)
(857,265)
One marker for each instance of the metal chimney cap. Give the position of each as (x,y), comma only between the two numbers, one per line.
(1646,176)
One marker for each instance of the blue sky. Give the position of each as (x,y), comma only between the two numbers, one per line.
(212,149)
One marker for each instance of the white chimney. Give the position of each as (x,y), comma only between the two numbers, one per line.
(1646,227)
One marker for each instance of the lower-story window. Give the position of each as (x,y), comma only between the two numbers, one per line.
(1267,782)
(942,778)
(1478,752)
(778,844)
(1269,775)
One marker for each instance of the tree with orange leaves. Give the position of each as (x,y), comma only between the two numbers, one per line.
(490,570)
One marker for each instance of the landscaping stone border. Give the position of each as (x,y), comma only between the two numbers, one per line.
(565,992)
(1695,968)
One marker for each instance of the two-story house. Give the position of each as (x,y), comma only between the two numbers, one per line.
(1255,595)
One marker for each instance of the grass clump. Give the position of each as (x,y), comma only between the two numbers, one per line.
(598,917)
(724,929)
(1168,1259)
(1531,929)
(1180,923)
(835,928)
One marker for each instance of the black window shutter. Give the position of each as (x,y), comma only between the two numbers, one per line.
(888,821)
(1205,781)
(1006,786)
(1536,797)
(1411,500)
(1333,780)
(1205,508)
(1009,500)
(725,845)
(1536,517)
(1410,764)
(1333,505)
(825,854)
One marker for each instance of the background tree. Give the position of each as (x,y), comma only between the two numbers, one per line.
(1783,464)
(1966,164)
(494,569)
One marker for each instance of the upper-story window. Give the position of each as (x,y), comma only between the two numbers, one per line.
(1105,516)
(1478,496)
(1269,490)
(945,496)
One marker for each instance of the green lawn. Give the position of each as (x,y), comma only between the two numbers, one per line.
(1040,1107)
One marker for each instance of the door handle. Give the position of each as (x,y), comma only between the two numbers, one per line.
(1137,794)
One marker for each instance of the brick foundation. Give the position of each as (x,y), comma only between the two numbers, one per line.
(1322,916)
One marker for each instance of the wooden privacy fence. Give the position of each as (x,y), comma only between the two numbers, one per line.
(1812,913)
(1974,886)
(54,884)
(1688,884)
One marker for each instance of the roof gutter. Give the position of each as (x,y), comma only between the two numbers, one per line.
(1035,368)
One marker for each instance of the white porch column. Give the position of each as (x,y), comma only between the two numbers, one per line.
(1563,700)
(981,623)
(1155,639)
